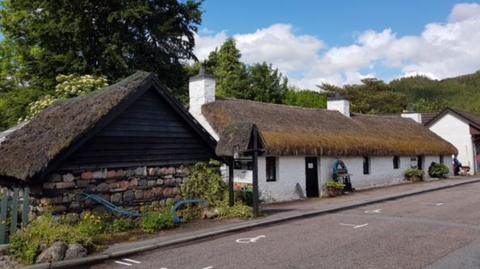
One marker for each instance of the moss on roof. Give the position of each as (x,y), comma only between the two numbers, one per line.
(289,130)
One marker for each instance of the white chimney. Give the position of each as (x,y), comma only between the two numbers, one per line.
(340,104)
(412,115)
(201,91)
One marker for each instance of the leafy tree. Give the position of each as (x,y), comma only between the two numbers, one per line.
(110,38)
(14,105)
(265,84)
(229,71)
(371,97)
(305,98)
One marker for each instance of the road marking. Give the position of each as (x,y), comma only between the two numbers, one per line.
(374,211)
(248,240)
(123,263)
(132,261)
(439,204)
(354,226)
(208,267)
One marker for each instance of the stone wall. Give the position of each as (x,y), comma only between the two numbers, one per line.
(129,188)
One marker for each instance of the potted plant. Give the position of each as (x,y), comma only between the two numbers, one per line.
(414,174)
(333,188)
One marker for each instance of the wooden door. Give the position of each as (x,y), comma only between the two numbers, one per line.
(311,176)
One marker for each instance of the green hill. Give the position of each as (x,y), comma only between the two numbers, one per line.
(428,95)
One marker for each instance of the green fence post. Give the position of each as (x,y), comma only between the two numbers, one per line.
(3,216)
(14,212)
(26,206)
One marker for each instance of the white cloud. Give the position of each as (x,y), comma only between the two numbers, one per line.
(441,50)
(207,42)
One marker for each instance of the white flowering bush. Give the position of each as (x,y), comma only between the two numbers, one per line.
(72,85)
(68,86)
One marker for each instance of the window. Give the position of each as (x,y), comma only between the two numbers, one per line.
(441,159)
(366,165)
(396,162)
(271,165)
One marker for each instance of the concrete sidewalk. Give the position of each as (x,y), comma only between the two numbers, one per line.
(279,212)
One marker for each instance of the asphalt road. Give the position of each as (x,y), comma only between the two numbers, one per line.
(435,230)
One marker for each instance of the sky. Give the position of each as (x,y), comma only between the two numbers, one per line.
(341,42)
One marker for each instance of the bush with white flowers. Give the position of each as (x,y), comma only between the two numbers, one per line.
(68,86)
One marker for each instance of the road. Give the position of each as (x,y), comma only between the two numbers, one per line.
(434,230)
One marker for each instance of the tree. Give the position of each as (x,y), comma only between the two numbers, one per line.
(305,98)
(229,71)
(371,97)
(111,38)
(265,84)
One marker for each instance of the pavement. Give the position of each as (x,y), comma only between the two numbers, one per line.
(276,214)
(433,230)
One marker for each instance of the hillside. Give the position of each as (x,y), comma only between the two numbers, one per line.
(427,95)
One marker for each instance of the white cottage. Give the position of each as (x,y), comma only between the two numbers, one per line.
(302,144)
(460,128)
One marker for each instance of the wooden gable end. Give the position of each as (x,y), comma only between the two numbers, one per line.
(148,133)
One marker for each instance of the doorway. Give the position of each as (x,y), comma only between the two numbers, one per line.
(311,176)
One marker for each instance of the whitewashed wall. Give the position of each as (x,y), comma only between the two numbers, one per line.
(457,132)
(381,171)
(290,171)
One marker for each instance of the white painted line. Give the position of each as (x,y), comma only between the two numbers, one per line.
(439,204)
(132,261)
(374,211)
(249,240)
(208,267)
(123,263)
(354,226)
(360,226)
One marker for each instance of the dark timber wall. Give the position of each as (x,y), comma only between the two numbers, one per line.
(148,133)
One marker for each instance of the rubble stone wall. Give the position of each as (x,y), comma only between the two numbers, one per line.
(129,188)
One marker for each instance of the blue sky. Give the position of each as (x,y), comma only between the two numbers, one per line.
(343,41)
(335,22)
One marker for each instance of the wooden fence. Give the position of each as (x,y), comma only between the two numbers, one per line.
(10,202)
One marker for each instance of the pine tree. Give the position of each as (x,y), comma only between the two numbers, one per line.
(229,71)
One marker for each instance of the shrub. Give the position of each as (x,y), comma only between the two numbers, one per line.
(413,172)
(91,224)
(154,221)
(45,230)
(239,210)
(205,182)
(244,194)
(334,185)
(122,225)
(333,188)
(438,170)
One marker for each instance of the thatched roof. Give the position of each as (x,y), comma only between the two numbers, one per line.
(238,137)
(28,151)
(289,130)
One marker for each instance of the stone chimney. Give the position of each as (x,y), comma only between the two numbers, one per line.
(340,104)
(201,91)
(412,115)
